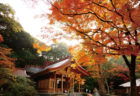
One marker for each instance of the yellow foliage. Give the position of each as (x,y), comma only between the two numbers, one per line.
(77,77)
(35,45)
(38,51)
(116,57)
(73,66)
(42,47)
(71,75)
(82,82)
(54,40)
(84,59)
(48,49)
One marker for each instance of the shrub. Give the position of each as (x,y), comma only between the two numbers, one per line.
(21,87)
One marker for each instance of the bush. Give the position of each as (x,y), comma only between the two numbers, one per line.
(21,87)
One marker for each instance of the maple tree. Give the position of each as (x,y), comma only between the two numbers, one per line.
(75,77)
(6,64)
(41,47)
(95,70)
(5,60)
(109,25)
(92,62)
(115,73)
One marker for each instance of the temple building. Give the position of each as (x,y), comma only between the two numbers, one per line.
(56,77)
(126,87)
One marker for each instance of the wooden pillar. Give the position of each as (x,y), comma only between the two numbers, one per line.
(79,87)
(73,84)
(54,82)
(62,83)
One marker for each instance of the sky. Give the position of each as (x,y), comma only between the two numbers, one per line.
(28,15)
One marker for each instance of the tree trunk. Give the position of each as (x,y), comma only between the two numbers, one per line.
(132,83)
(132,66)
(108,90)
(101,83)
(102,89)
(132,76)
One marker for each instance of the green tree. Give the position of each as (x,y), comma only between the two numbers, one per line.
(90,84)
(57,52)
(20,86)
(7,21)
(17,39)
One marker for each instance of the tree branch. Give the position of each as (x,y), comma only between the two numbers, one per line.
(101,6)
(122,18)
(130,17)
(94,40)
(109,37)
(126,61)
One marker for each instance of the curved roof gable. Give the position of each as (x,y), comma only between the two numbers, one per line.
(57,64)
(60,64)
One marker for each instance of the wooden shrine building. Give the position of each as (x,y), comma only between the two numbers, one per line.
(54,76)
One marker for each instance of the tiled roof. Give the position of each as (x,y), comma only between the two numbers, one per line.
(33,69)
(48,65)
(57,64)
(20,72)
(127,84)
(53,66)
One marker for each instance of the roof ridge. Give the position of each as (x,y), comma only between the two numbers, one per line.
(58,61)
(37,66)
